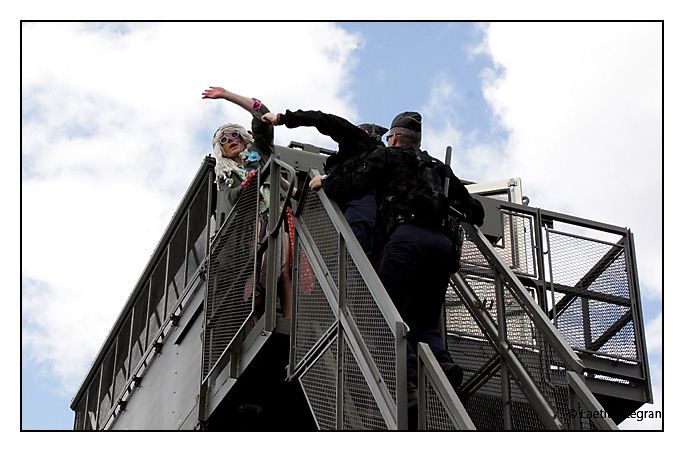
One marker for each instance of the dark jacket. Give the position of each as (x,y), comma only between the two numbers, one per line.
(353,145)
(408,186)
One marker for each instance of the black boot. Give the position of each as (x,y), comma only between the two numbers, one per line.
(453,373)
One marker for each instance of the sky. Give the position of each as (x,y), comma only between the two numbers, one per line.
(113,129)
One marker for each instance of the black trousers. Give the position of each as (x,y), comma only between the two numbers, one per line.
(416,265)
(360,214)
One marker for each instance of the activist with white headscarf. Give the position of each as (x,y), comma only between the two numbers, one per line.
(239,155)
(239,152)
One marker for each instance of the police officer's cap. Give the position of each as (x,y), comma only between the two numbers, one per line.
(407,123)
(410,120)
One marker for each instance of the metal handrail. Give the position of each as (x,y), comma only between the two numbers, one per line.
(428,368)
(393,411)
(573,364)
(533,309)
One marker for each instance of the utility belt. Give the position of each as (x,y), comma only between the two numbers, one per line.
(449,226)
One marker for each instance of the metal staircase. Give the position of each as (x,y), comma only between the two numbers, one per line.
(544,317)
(348,343)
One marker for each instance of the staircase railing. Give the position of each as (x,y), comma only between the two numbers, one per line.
(348,341)
(439,408)
(529,376)
(348,346)
(234,271)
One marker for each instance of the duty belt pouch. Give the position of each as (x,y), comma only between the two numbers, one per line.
(455,232)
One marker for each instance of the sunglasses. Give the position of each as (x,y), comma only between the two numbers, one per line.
(234,135)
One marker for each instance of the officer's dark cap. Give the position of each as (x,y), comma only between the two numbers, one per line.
(410,120)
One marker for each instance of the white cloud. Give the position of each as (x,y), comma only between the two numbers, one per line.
(114,128)
(582,103)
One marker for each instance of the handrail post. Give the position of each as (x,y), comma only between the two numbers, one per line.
(503,335)
(273,250)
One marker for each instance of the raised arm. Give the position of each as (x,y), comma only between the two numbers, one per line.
(261,130)
(337,128)
(216,92)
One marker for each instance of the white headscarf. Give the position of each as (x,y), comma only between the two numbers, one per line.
(225,166)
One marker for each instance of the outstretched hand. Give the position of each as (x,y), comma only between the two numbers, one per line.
(316,183)
(270,118)
(214,92)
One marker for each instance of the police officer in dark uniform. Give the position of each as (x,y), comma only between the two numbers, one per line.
(419,237)
(358,204)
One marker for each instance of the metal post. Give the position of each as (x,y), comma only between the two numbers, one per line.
(573,404)
(293,317)
(586,322)
(553,292)
(342,302)
(422,402)
(402,396)
(637,315)
(273,250)
(186,249)
(165,297)
(541,274)
(505,380)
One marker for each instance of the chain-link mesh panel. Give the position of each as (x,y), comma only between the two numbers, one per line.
(485,405)
(472,261)
(323,233)
(600,322)
(457,317)
(622,343)
(528,344)
(320,386)
(314,315)
(583,416)
(360,411)
(520,328)
(523,416)
(537,356)
(517,247)
(472,351)
(372,325)
(231,278)
(436,416)
(470,354)
(588,264)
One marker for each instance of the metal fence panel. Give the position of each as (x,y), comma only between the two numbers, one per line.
(437,416)
(231,278)
(361,411)
(314,315)
(372,325)
(319,383)
(591,294)
(323,233)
